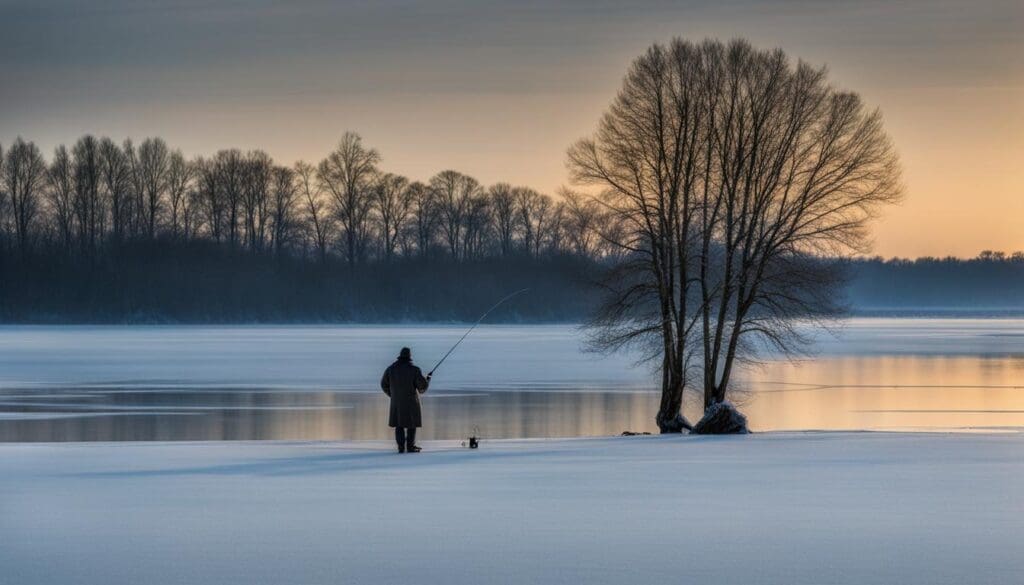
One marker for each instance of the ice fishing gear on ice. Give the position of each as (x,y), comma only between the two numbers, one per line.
(474,440)
(478,321)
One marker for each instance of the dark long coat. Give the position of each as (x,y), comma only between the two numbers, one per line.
(404,383)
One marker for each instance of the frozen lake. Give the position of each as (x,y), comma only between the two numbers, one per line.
(321,382)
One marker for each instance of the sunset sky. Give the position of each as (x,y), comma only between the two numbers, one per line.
(499,90)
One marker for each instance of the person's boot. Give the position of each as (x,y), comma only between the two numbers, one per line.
(401,448)
(412,448)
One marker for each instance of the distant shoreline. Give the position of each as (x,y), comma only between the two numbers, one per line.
(861,313)
(940,312)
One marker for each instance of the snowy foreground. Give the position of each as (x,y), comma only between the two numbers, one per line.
(812,508)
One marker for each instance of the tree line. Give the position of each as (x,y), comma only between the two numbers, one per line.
(100,192)
(108,231)
(990,283)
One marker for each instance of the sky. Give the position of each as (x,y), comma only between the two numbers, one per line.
(499,90)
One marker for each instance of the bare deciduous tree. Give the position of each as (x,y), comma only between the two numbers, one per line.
(61,178)
(453,192)
(315,206)
(151,166)
(210,197)
(117,184)
(23,173)
(230,180)
(534,210)
(284,200)
(555,238)
(582,215)
(180,174)
(506,220)
(87,204)
(476,226)
(347,175)
(255,187)
(4,220)
(392,201)
(731,174)
(192,209)
(426,216)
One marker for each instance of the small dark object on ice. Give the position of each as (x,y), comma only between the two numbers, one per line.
(474,440)
(721,418)
(633,433)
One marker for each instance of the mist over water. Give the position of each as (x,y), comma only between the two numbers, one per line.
(321,382)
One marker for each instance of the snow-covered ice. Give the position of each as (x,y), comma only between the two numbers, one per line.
(791,508)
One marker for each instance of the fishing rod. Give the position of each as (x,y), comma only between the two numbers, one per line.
(478,321)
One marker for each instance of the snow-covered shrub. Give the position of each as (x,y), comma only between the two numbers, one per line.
(721,418)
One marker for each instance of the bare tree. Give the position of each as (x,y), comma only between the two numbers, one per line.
(315,205)
(210,197)
(284,198)
(4,220)
(229,167)
(61,177)
(817,167)
(152,166)
(347,175)
(116,178)
(611,230)
(180,174)
(134,205)
(582,215)
(729,171)
(192,207)
(554,239)
(425,216)
(534,210)
(87,203)
(506,220)
(24,181)
(477,226)
(256,186)
(392,203)
(454,192)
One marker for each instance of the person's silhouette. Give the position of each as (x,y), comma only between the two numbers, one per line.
(404,382)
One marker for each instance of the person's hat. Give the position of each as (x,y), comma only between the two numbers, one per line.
(405,354)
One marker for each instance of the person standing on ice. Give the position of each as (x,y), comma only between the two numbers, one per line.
(404,382)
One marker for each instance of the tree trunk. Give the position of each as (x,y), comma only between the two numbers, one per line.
(669,418)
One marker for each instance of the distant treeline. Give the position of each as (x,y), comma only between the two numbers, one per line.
(123,233)
(168,281)
(991,283)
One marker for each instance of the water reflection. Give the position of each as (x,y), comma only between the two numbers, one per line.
(320,383)
(854,392)
(887,392)
(299,415)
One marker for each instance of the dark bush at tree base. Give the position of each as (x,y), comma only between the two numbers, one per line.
(721,418)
